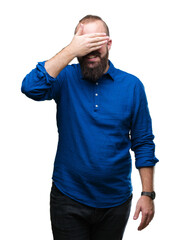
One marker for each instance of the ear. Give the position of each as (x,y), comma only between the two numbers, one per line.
(109,44)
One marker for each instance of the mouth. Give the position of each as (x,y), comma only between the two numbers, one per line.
(92,58)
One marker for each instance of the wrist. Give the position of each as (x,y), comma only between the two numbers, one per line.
(151,195)
(69,50)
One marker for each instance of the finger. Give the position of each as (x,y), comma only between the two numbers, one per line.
(98,44)
(149,218)
(80,30)
(143,223)
(136,214)
(99,39)
(95,48)
(92,35)
(146,219)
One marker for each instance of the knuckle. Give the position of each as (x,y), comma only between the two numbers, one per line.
(146,213)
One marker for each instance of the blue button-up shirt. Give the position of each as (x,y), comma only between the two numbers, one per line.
(98,123)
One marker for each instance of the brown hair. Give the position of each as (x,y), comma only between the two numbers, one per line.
(92,18)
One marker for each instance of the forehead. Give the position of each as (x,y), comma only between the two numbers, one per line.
(94,27)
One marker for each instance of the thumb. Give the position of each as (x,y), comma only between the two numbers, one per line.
(136,214)
(80,30)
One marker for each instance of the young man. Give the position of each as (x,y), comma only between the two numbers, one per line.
(102,112)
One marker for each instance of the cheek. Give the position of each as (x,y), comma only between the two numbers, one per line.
(103,50)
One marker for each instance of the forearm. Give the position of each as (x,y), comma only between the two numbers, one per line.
(57,63)
(147,178)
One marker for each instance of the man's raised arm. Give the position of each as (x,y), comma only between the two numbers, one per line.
(38,83)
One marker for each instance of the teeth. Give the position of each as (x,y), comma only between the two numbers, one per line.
(92,56)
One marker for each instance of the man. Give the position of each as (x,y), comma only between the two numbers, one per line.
(102,112)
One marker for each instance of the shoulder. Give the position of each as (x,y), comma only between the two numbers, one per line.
(69,71)
(72,68)
(126,77)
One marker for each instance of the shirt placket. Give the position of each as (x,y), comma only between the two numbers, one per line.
(96,97)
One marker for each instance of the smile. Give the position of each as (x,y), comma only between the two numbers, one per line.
(91,56)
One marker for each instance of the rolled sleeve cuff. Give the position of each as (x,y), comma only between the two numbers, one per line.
(42,73)
(142,162)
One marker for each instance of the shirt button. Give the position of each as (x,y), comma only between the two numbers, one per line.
(96,94)
(97,83)
(96,106)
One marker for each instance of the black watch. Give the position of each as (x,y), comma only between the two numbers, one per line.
(152,195)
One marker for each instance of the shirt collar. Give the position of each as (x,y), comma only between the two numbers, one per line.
(111,71)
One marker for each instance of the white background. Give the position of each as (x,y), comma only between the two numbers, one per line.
(146,43)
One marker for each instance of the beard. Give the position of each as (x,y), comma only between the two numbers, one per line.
(93,73)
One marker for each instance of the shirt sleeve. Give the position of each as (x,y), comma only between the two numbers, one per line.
(39,85)
(141,130)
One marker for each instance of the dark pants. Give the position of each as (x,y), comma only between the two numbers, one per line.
(72,220)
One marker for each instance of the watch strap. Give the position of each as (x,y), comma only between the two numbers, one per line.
(152,195)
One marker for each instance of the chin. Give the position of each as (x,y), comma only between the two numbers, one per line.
(92,63)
